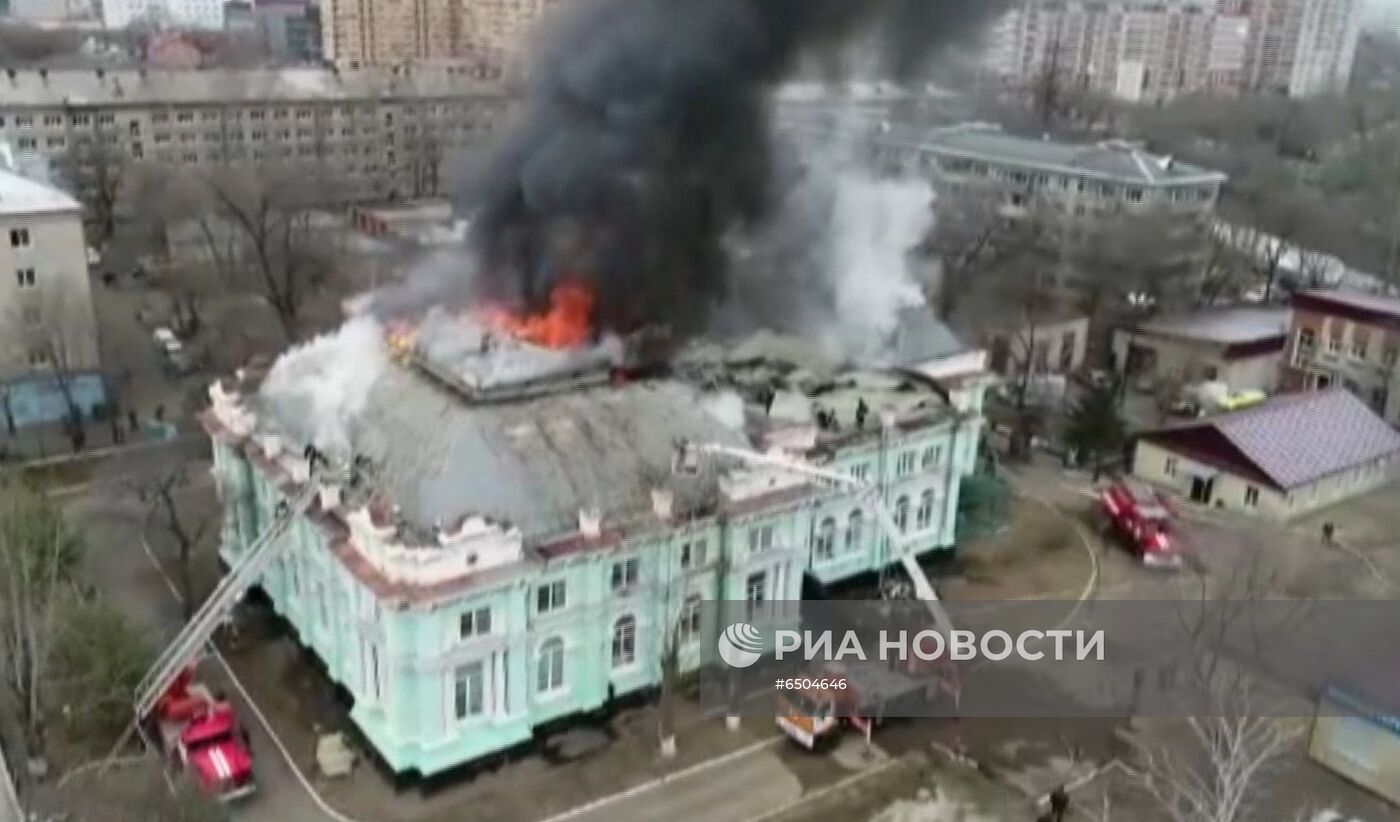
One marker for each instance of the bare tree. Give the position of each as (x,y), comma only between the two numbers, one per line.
(184,527)
(63,367)
(267,219)
(964,239)
(99,170)
(100,656)
(1215,771)
(1215,768)
(38,554)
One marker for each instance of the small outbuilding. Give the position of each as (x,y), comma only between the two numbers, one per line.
(1280,459)
(1241,347)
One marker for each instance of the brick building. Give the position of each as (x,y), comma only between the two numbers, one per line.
(1349,339)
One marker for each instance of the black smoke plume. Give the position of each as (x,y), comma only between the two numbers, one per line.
(644,141)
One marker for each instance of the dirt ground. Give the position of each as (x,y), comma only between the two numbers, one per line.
(1039,543)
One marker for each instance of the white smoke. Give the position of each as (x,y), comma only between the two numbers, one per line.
(323,384)
(833,264)
(874,225)
(727,407)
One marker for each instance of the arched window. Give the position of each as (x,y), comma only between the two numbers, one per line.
(854,523)
(901,513)
(549,676)
(824,540)
(624,641)
(923,518)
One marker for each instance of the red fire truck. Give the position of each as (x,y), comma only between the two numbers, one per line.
(1142,518)
(816,708)
(201,731)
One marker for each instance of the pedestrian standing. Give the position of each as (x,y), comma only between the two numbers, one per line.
(1329,533)
(1059,804)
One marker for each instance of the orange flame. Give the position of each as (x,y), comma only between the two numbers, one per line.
(567,323)
(402,337)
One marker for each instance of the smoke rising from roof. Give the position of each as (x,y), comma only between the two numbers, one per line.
(645,142)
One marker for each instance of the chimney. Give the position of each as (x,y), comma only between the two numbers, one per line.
(888,418)
(330,497)
(272,445)
(590,522)
(663,501)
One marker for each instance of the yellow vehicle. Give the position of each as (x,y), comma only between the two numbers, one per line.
(1243,399)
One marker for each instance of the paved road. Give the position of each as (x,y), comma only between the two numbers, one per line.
(121,571)
(739,790)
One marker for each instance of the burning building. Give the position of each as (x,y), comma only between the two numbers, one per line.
(489,534)
(498,539)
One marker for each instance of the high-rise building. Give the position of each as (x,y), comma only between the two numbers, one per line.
(185,14)
(366,32)
(1152,50)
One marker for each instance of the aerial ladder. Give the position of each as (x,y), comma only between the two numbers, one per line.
(688,459)
(243,574)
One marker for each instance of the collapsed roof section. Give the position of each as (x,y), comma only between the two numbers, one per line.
(420,476)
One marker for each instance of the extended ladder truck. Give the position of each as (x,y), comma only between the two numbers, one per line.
(812,716)
(198,729)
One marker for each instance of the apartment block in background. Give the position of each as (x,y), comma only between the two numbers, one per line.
(206,15)
(382,135)
(1349,339)
(1150,51)
(358,33)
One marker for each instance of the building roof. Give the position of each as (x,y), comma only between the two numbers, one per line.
(1289,441)
(920,338)
(21,195)
(1357,305)
(1227,326)
(1111,160)
(106,87)
(534,462)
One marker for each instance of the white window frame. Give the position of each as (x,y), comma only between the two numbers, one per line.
(760,538)
(855,523)
(624,574)
(923,515)
(551,596)
(624,641)
(474,622)
(463,677)
(901,513)
(549,666)
(690,620)
(694,553)
(824,539)
(756,589)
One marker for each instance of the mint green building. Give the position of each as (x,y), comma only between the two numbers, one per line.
(470,572)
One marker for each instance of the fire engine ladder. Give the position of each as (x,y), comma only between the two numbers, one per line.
(242,575)
(869,493)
